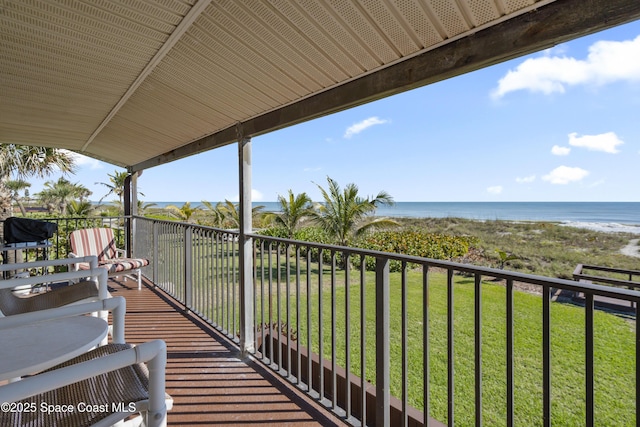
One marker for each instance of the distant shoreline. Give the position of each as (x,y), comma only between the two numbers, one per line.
(624,213)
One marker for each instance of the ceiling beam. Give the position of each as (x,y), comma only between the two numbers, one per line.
(555,23)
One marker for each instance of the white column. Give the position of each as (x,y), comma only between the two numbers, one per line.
(246,248)
(134,209)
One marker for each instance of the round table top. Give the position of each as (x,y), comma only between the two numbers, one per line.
(34,347)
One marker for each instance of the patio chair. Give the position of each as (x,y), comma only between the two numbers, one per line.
(101,243)
(85,290)
(104,386)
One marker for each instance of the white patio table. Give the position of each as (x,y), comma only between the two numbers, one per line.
(34,347)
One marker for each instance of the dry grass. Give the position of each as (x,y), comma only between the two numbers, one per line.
(542,248)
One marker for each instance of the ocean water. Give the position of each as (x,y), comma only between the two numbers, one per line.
(602,216)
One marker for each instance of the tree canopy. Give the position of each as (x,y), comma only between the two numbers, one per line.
(345,215)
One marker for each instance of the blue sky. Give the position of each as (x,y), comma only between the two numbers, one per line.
(558,125)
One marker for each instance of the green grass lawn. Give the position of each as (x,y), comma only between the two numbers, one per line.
(614,350)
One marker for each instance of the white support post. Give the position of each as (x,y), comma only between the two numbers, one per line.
(134,211)
(246,247)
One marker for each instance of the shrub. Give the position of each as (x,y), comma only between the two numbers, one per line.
(315,235)
(276,231)
(414,243)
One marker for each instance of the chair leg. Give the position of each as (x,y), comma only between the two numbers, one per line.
(139,273)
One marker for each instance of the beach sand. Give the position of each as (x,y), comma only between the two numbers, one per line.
(632,249)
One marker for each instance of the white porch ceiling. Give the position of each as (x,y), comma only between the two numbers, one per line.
(130,82)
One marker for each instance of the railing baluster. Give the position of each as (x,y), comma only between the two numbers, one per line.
(478,347)
(334,388)
(196,269)
(509,343)
(320,331)
(217,268)
(288,310)
(363,341)
(299,357)
(188,270)
(426,370)
(347,332)
(546,356)
(588,331)
(225,292)
(450,350)
(404,344)
(156,250)
(308,324)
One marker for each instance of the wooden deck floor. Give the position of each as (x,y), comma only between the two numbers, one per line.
(210,385)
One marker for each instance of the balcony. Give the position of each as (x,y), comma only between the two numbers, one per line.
(328,335)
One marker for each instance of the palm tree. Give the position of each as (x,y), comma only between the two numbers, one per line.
(185,212)
(116,185)
(217,212)
(345,215)
(79,208)
(143,207)
(14,186)
(231,212)
(292,210)
(23,161)
(58,194)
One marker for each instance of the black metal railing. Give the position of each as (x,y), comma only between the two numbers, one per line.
(343,325)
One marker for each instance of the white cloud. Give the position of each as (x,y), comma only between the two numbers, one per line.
(526,179)
(607,62)
(356,128)
(496,189)
(81,160)
(606,142)
(560,151)
(565,175)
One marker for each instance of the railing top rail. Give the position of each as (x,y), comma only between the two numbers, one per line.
(191,225)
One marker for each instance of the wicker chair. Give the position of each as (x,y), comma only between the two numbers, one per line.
(83,291)
(101,243)
(103,386)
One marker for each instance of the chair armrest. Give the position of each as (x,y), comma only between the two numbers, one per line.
(117,305)
(121,253)
(153,353)
(95,273)
(91,259)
